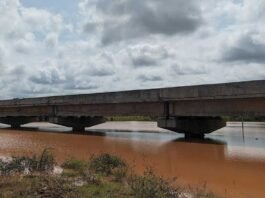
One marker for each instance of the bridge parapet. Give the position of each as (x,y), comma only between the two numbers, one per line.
(239,90)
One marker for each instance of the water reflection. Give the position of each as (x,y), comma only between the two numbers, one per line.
(206,140)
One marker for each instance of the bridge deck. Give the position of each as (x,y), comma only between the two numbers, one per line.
(238,90)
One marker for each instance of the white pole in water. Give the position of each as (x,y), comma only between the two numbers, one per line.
(243,132)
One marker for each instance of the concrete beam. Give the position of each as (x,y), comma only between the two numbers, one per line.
(16,122)
(192,127)
(78,124)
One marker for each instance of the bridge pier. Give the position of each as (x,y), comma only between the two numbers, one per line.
(78,124)
(16,126)
(192,127)
(16,122)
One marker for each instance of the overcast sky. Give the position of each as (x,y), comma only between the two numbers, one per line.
(54,47)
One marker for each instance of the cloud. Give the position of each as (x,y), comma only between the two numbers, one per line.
(147,55)
(127,19)
(1,59)
(188,70)
(19,21)
(18,71)
(100,66)
(51,40)
(41,20)
(251,11)
(247,48)
(146,77)
(81,85)
(23,46)
(50,77)
(127,44)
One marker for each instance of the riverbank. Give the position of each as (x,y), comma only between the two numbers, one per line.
(102,175)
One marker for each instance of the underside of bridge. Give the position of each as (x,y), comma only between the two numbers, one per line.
(78,124)
(17,121)
(192,127)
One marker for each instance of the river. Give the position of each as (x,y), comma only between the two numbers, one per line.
(230,161)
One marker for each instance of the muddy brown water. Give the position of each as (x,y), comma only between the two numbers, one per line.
(229,162)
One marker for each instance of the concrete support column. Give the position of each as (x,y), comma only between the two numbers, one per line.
(16,126)
(16,122)
(78,124)
(192,127)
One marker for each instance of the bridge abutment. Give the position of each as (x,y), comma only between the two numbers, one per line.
(78,124)
(192,127)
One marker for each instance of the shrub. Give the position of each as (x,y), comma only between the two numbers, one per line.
(74,164)
(89,177)
(12,166)
(79,169)
(202,192)
(105,163)
(150,185)
(120,173)
(43,163)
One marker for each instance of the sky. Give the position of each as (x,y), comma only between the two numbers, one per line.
(86,46)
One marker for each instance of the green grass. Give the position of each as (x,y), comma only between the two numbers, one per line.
(244,118)
(108,189)
(130,118)
(71,173)
(74,164)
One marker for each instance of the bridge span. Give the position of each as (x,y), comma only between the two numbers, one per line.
(192,110)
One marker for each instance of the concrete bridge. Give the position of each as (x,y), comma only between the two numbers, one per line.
(192,110)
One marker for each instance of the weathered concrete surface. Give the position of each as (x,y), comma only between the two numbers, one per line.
(204,100)
(242,98)
(251,89)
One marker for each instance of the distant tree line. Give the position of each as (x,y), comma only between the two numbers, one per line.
(246,118)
